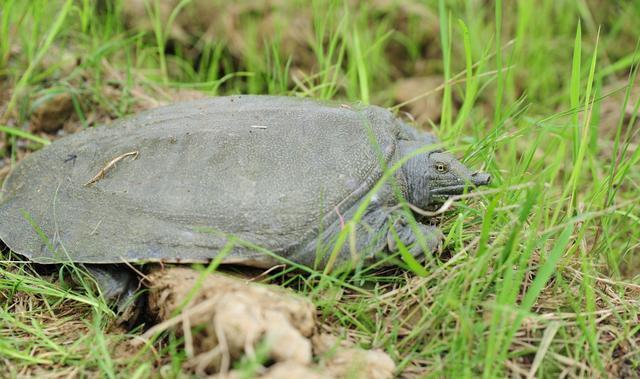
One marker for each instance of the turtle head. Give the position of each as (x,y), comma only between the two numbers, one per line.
(434,176)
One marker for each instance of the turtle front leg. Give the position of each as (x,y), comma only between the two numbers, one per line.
(374,237)
(415,238)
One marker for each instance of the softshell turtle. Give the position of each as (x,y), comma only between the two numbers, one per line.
(183,182)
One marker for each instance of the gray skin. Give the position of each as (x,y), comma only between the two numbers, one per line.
(281,173)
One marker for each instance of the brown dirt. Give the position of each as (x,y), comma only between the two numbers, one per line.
(241,26)
(611,109)
(228,317)
(281,370)
(207,21)
(51,112)
(234,317)
(341,360)
(425,109)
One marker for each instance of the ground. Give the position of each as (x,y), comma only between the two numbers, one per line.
(540,273)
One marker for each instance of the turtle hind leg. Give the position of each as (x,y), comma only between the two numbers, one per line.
(116,283)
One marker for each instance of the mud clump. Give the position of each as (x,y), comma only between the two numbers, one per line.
(422,98)
(49,114)
(282,370)
(232,317)
(223,318)
(342,360)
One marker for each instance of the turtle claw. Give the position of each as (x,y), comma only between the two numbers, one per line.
(402,231)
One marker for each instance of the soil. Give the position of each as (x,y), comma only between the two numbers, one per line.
(223,318)
(50,113)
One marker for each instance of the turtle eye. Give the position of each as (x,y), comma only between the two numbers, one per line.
(441,167)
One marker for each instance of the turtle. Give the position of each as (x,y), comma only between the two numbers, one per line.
(245,179)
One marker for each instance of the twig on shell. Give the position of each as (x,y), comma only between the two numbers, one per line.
(110,165)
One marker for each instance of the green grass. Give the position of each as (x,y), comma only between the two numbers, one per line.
(540,275)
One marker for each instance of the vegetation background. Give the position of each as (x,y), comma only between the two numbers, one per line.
(540,276)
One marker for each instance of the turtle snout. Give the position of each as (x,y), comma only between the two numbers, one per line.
(480,178)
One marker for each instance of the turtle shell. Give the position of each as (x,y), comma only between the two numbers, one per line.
(174,183)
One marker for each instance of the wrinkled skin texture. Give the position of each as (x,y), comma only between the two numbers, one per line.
(175,183)
(440,176)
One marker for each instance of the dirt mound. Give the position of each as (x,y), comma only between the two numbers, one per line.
(222,319)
